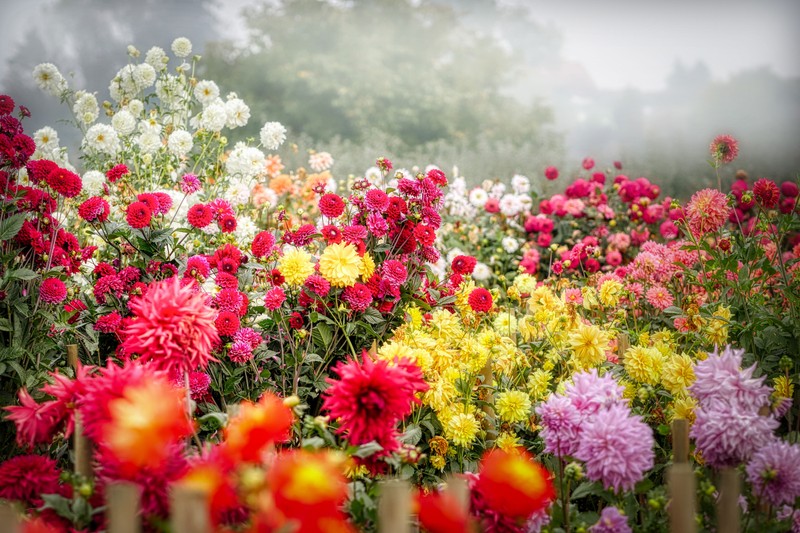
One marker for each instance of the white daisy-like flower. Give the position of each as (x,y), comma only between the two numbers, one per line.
(453,253)
(245,230)
(439,268)
(331,185)
(510,205)
(238,192)
(133,51)
(211,229)
(156,58)
(459,186)
(206,92)
(238,113)
(124,122)
(144,75)
(273,134)
(135,107)
(85,107)
(482,272)
(180,142)
(182,47)
(49,79)
(46,139)
(497,190)
(478,197)
(102,138)
(150,125)
(245,161)
(149,142)
(510,244)
(214,117)
(374,176)
(520,184)
(93,182)
(320,161)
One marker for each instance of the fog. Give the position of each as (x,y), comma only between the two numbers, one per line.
(494,87)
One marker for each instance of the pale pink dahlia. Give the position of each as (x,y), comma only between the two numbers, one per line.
(611,521)
(774,472)
(707,211)
(724,148)
(659,297)
(617,447)
(173,327)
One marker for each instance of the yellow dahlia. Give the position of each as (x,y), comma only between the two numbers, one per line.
(610,292)
(508,442)
(539,383)
(295,266)
(513,406)
(462,429)
(589,345)
(678,373)
(340,264)
(644,364)
(367,266)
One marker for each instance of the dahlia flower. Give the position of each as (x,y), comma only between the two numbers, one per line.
(561,425)
(256,426)
(707,211)
(774,472)
(611,521)
(480,300)
(724,148)
(589,344)
(617,447)
(26,477)
(173,327)
(513,484)
(52,291)
(295,265)
(513,406)
(370,398)
(340,264)
(145,422)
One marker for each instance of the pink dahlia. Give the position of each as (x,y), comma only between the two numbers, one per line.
(331,205)
(26,477)
(617,447)
(262,244)
(190,184)
(317,285)
(249,336)
(172,326)
(359,297)
(274,298)
(611,521)
(371,397)
(724,148)
(376,200)
(240,352)
(551,173)
(561,425)
(774,472)
(52,291)
(95,208)
(707,211)
(659,297)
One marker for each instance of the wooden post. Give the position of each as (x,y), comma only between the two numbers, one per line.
(394,507)
(682,493)
(123,502)
(80,444)
(680,440)
(189,510)
(488,410)
(457,487)
(623,345)
(9,518)
(728,512)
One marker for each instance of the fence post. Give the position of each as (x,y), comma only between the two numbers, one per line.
(81,445)
(623,345)
(488,410)
(9,518)
(189,511)
(728,513)
(682,493)
(680,440)
(123,503)
(457,486)
(394,507)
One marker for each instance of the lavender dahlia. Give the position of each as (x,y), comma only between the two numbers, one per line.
(774,472)
(611,521)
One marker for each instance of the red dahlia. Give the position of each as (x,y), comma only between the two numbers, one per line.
(227,323)
(138,215)
(116,172)
(358,296)
(331,205)
(95,208)
(464,264)
(227,223)
(262,244)
(6,104)
(480,300)
(767,193)
(64,182)
(52,291)
(200,215)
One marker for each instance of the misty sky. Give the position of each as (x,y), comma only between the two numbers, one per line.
(620,43)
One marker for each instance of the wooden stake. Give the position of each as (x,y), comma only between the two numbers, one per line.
(123,501)
(680,440)
(488,410)
(682,494)
(457,486)
(394,507)
(728,512)
(623,345)
(189,510)
(9,518)
(81,446)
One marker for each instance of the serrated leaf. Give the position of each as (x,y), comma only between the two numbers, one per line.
(59,504)
(11,226)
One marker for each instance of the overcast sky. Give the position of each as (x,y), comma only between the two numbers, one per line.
(620,43)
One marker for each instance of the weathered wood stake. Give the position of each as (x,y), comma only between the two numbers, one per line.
(394,507)
(189,511)
(682,493)
(728,512)
(680,440)
(81,446)
(123,501)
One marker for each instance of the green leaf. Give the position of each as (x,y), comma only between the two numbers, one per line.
(212,421)
(59,504)
(365,450)
(586,489)
(22,273)
(313,443)
(11,226)
(412,435)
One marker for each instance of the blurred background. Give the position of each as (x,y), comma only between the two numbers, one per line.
(496,87)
